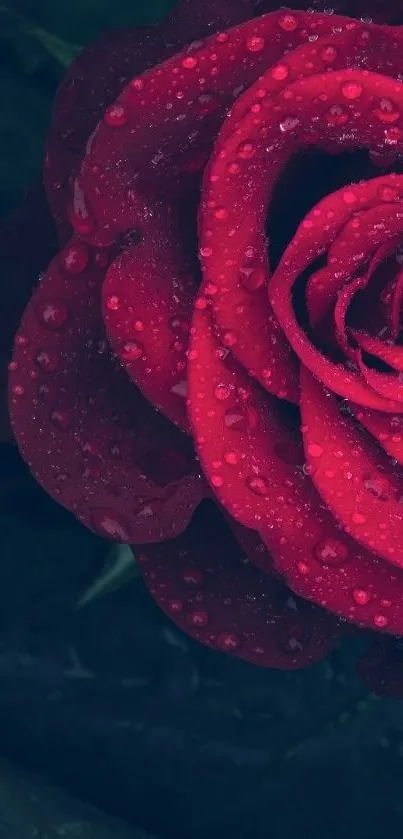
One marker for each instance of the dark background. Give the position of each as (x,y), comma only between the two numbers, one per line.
(109,700)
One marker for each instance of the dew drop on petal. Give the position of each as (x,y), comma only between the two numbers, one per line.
(288,22)
(254,43)
(52,314)
(115,115)
(351,89)
(228,642)
(361,596)
(314,450)
(198,619)
(131,350)
(257,484)
(331,552)
(74,258)
(107,524)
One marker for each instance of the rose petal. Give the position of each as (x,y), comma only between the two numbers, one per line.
(203,581)
(96,77)
(391,354)
(356,481)
(147,310)
(362,234)
(86,432)
(386,428)
(252,458)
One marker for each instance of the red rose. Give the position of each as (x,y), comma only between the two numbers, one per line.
(277,373)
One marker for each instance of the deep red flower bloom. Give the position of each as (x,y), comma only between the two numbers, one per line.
(277,374)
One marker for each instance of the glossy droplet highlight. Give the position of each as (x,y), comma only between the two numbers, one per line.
(254,44)
(331,552)
(257,484)
(108,525)
(288,22)
(222,392)
(351,89)
(246,150)
(52,314)
(47,360)
(198,619)
(361,596)
(131,350)
(386,110)
(228,642)
(240,419)
(74,258)
(115,116)
(314,450)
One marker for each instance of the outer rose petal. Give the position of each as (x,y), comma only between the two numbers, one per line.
(96,77)
(86,432)
(205,583)
(27,243)
(148,300)
(252,458)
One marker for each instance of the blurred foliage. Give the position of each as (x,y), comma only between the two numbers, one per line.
(38,39)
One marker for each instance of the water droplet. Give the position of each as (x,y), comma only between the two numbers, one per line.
(257,484)
(108,525)
(288,22)
(240,418)
(352,89)
(79,212)
(377,487)
(192,577)
(387,193)
(288,124)
(252,279)
(358,518)
(189,62)
(61,419)
(52,313)
(314,450)
(387,111)
(18,390)
(328,53)
(280,72)
(175,606)
(331,552)
(47,360)
(231,456)
(115,115)
(381,621)
(254,43)
(217,481)
(229,642)
(180,389)
(222,392)
(112,302)
(198,619)
(349,197)
(74,258)
(361,596)
(131,350)
(337,115)
(246,150)
(221,213)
